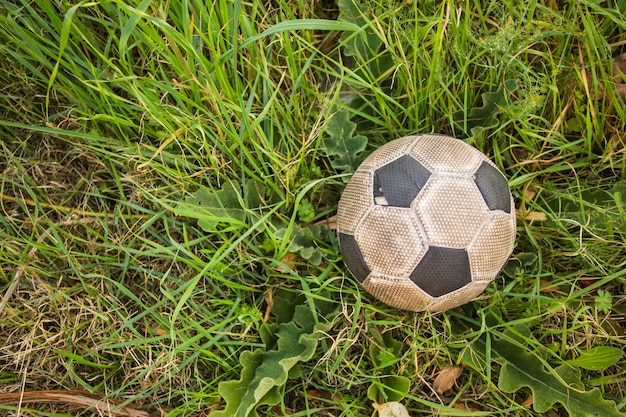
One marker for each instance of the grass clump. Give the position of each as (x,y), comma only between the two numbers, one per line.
(166,176)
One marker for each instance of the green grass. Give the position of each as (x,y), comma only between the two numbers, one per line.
(113,114)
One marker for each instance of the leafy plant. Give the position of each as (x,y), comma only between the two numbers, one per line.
(289,341)
(597,358)
(522,367)
(603,301)
(600,210)
(306,211)
(365,43)
(479,119)
(231,204)
(523,261)
(384,355)
(302,241)
(362,49)
(342,144)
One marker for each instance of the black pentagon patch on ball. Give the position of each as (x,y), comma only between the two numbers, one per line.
(399,182)
(493,187)
(442,270)
(352,257)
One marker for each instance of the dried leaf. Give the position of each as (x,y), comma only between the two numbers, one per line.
(530,192)
(324,395)
(278,411)
(464,407)
(528,402)
(330,222)
(289,262)
(446,378)
(533,216)
(548,287)
(153,331)
(82,399)
(619,67)
(392,409)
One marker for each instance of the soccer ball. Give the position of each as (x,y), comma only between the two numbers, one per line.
(426,223)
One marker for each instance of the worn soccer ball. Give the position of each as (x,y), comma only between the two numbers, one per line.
(426,223)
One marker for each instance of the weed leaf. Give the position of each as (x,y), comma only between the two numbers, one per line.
(384,355)
(601,210)
(598,358)
(211,207)
(230,204)
(302,241)
(235,391)
(265,371)
(341,143)
(523,368)
(390,388)
(365,44)
(485,117)
(561,384)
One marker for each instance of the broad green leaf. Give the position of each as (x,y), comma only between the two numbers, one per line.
(303,241)
(263,372)
(235,391)
(293,346)
(342,145)
(521,260)
(367,60)
(598,358)
(559,385)
(485,117)
(390,388)
(600,210)
(222,203)
(230,204)
(364,44)
(385,353)
(285,304)
(524,368)
(266,371)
